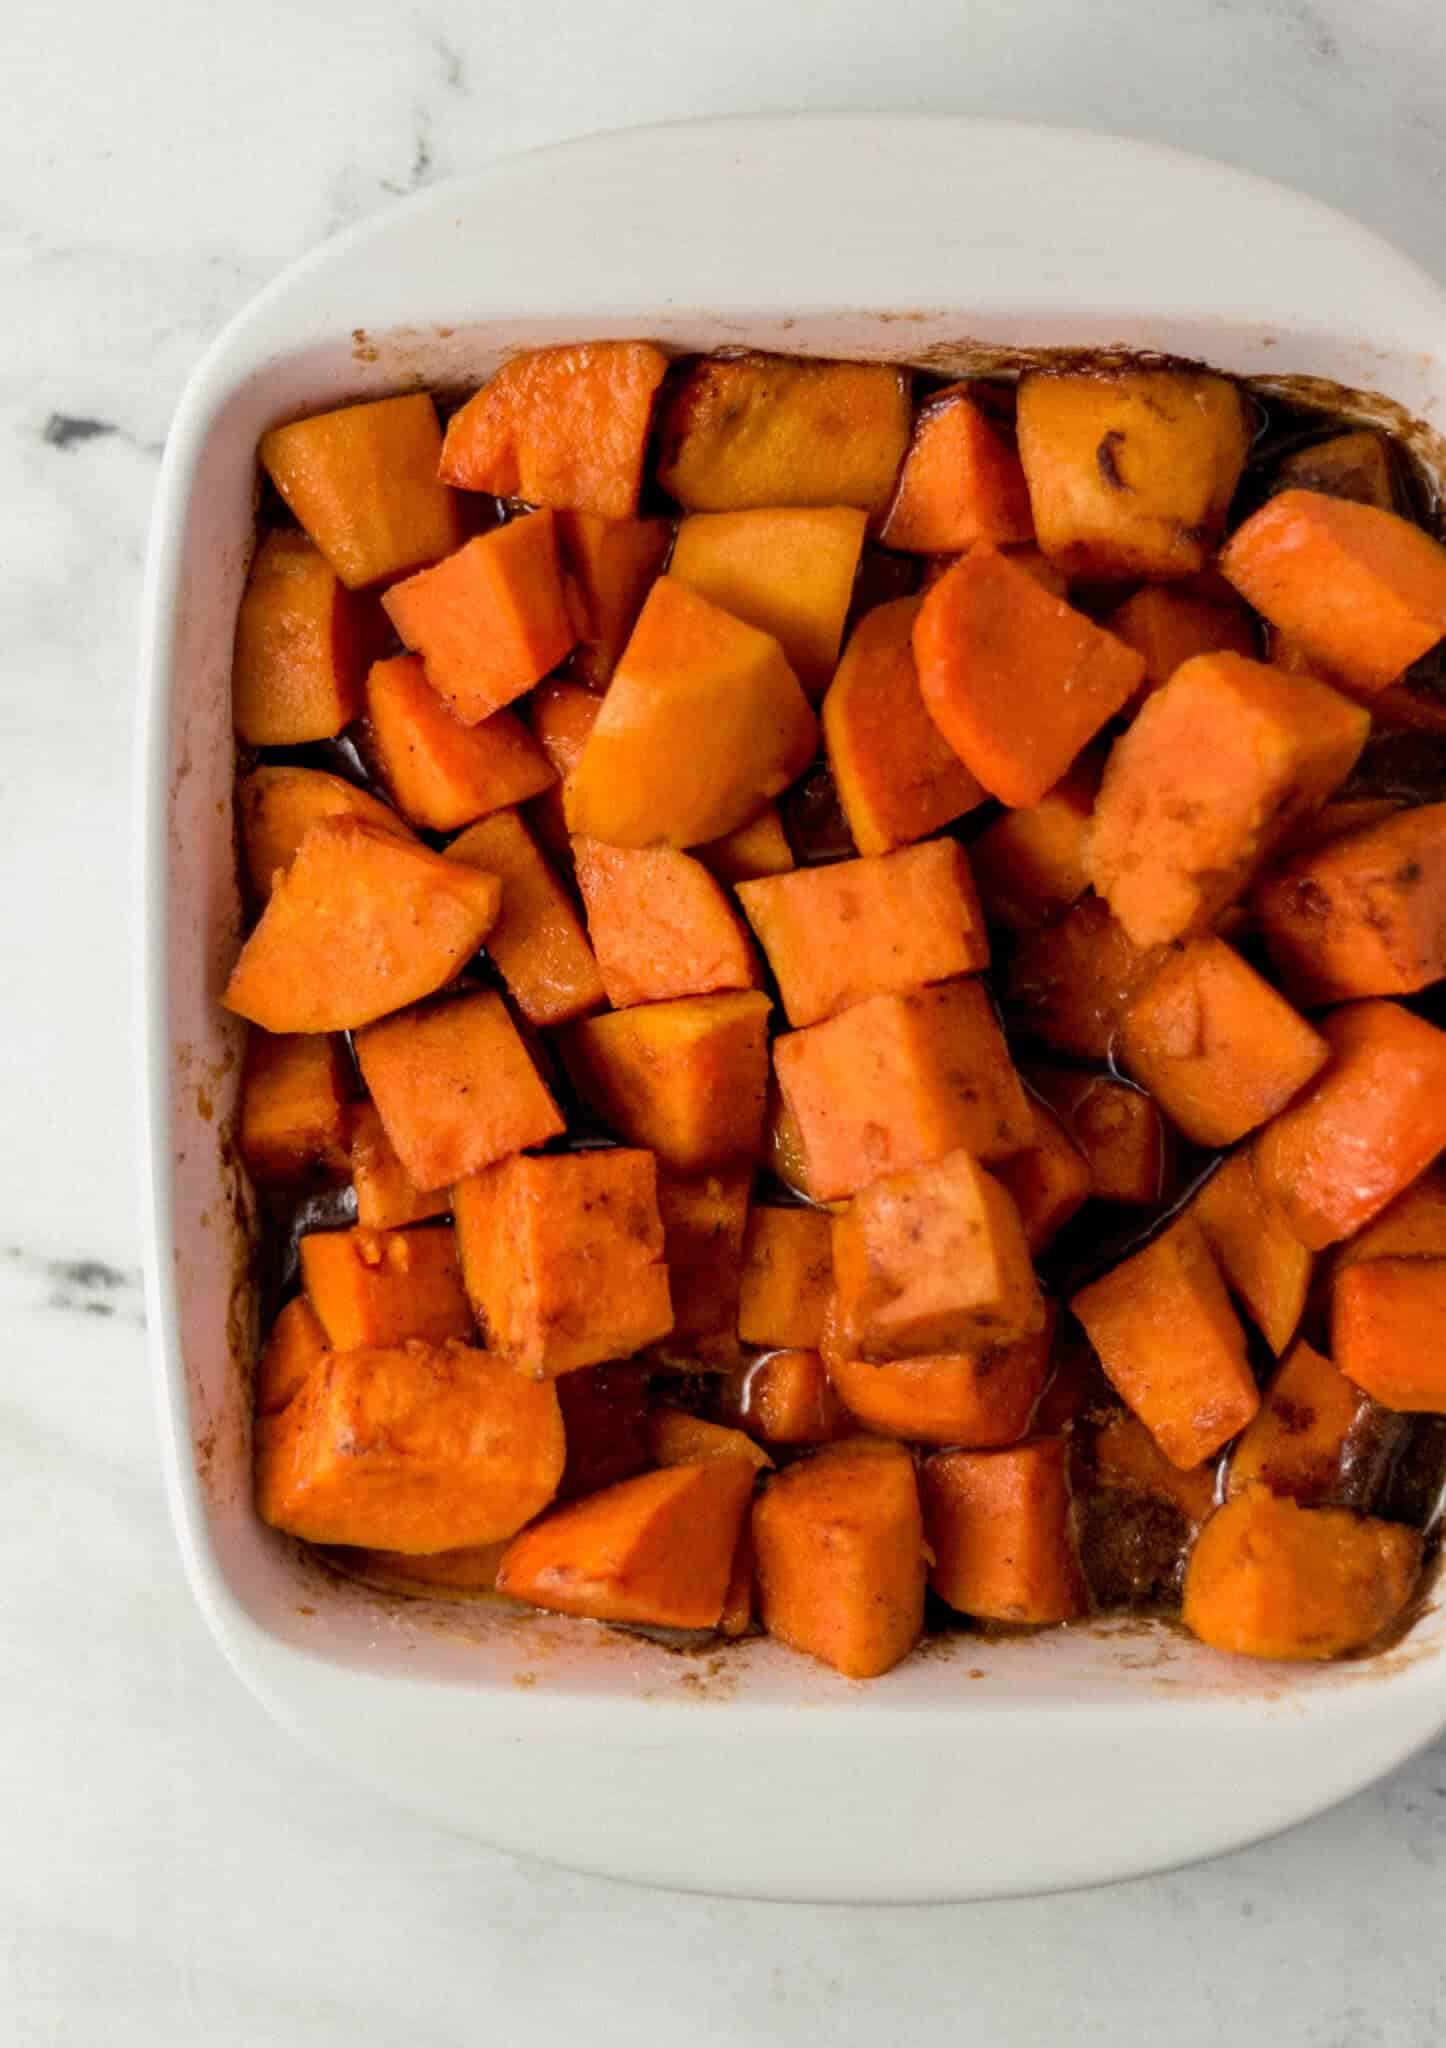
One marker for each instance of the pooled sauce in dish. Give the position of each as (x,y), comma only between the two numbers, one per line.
(845,982)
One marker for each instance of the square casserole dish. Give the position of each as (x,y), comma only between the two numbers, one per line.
(978,1768)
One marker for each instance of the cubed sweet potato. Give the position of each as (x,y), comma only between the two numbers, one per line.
(787,1398)
(380,1288)
(703,722)
(898,778)
(899,1080)
(976,1398)
(439,772)
(363,482)
(1030,864)
(1218,1048)
(610,564)
(1268,1578)
(1049,1180)
(294,1114)
(660,925)
(1124,1140)
(787,569)
(1364,914)
(361,923)
(605,1420)
(1017,681)
(1373,1120)
(1070,983)
(418,1449)
(1388,1331)
(563,1257)
(961,481)
(1305,1438)
(456,1087)
(1131,471)
(930,1260)
(1217,768)
(1355,465)
(1413,1227)
(758,848)
(657,1549)
(1362,590)
(787,1277)
(686,1078)
(998,1524)
(1334,820)
(1045,573)
(704,1216)
(839,1547)
(279,804)
(300,647)
(1126,1456)
(754,430)
(678,1438)
(1169,627)
(1264,1264)
(296,1346)
(386,1196)
(538,944)
(1172,1345)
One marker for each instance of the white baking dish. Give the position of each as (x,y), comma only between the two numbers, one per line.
(977,1768)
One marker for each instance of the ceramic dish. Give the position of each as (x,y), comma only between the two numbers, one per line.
(982,1767)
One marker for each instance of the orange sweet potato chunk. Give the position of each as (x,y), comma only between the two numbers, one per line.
(1215,1044)
(1049,1180)
(1171,1344)
(378,1288)
(787,1278)
(660,925)
(1030,864)
(1126,1456)
(1388,1331)
(656,1549)
(440,772)
(930,1260)
(456,1087)
(1131,471)
(419,1449)
(685,1078)
(363,483)
(1364,914)
(704,1216)
(979,1399)
(278,805)
(1268,1578)
(1220,764)
(1169,627)
(758,848)
(839,934)
(787,569)
(1413,1227)
(560,426)
(703,723)
(787,1397)
(678,1438)
(361,923)
(300,648)
(899,1080)
(296,1346)
(1373,1120)
(293,1121)
(839,1551)
(609,564)
(1362,590)
(998,1525)
(1070,982)
(897,777)
(1017,681)
(563,1257)
(1119,1132)
(961,482)
(756,430)
(1264,1264)
(386,1197)
(538,944)
(1302,1441)
(1356,465)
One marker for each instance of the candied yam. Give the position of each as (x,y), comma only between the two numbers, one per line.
(1049,1180)
(758,848)
(789,570)
(379,1288)
(1388,1331)
(1126,1456)
(1268,1578)
(455,1087)
(439,772)
(787,1278)
(961,482)
(755,430)
(703,723)
(998,1523)
(1030,864)
(1017,681)
(685,1078)
(1413,1227)
(610,564)
(1169,627)
(1356,465)
(1263,1262)
(605,1420)
(660,925)
(278,806)
(1119,1132)
(296,1346)
(360,924)
(1307,1434)
(560,426)
(300,648)
(1070,983)
(1171,1344)
(418,1450)
(386,1197)
(704,1216)
(293,1120)
(538,944)
(787,1398)
(678,1438)
(980,1399)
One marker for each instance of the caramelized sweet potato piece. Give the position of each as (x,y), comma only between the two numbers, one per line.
(1364,914)
(1361,589)
(455,1087)
(361,923)
(704,1216)
(1126,1456)
(441,773)
(416,1450)
(678,1438)
(1270,1579)
(563,1257)
(1354,465)
(899,1080)
(660,925)
(300,648)
(1120,1133)
(787,569)
(296,1346)
(1030,864)
(1171,1344)
(787,1278)
(1131,471)
(1017,681)
(749,851)
(786,1397)
(1070,982)
(839,1547)
(1220,764)
(278,806)
(656,1549)
(998,1525)
(1215,1045)
(685,1078)
(610,564)
(703,722)
(1372,1121)
(1413,1227)
(538,944)
(961,482)
(931,1260)
(1264,1264)
(560,426)
(1388,1331)
(898,778)
(294,1111)
(1049,1180)
(379,1288)
(386,1196)
(753,430)
(1301,1441)
(976,1398)
(363,483)
(1170,627)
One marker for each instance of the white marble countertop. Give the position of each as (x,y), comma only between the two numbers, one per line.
(173,1872)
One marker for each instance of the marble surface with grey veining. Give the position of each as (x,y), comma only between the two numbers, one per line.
(171,1870)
